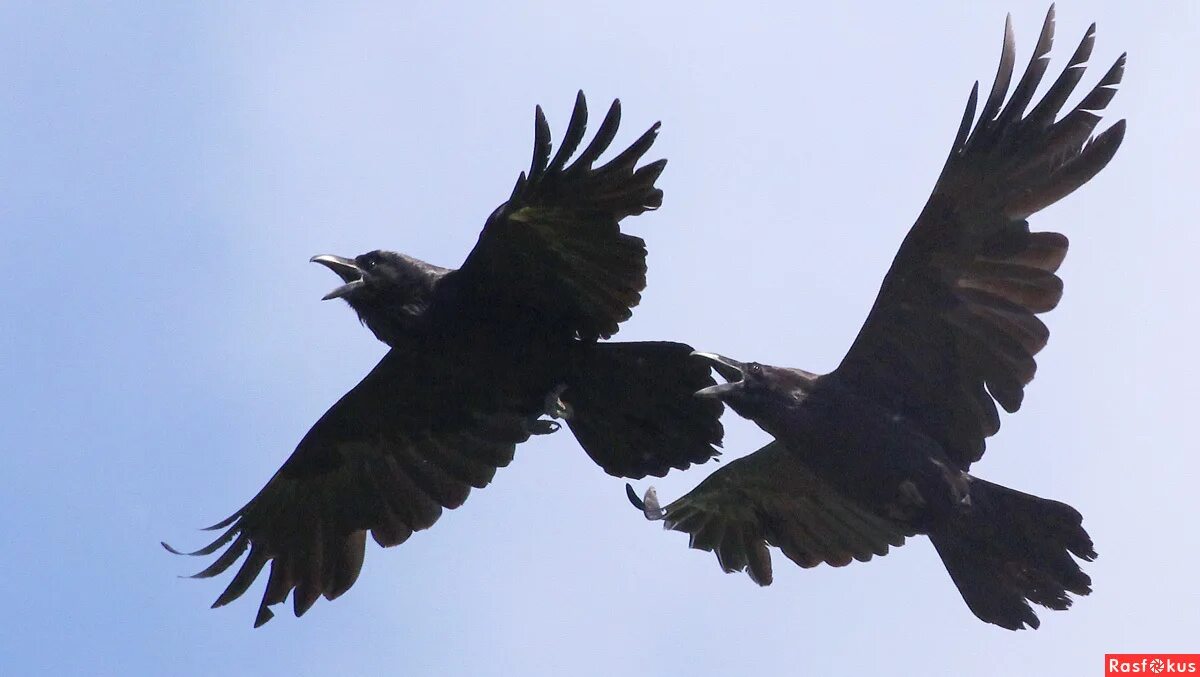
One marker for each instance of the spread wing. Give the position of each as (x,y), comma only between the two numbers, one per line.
(955,324)
(770,497)
(409,440)
(555,250)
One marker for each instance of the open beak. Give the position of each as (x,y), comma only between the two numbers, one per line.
(730,370)
(346,269)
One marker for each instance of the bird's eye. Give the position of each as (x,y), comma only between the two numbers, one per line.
(755,370)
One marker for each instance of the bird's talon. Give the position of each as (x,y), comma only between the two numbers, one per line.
(544,427)
(648,505)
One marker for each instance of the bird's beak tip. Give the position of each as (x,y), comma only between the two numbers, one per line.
(343,290)
(344,268)
(714,392)
(729,369)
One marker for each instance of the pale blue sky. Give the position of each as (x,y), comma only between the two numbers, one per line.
(168,169)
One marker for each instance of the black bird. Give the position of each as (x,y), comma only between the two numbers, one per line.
(880,448)
(478,355)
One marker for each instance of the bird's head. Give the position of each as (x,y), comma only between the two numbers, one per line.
(383,287)
(759,392)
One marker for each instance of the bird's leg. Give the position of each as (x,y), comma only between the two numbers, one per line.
(554,405)
(959,483)
(648,505)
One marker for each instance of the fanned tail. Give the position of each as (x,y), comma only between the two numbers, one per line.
(1012,548)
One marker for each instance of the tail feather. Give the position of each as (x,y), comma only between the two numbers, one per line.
(1011,549)
(633,409)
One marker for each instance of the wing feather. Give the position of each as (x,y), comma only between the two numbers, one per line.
(770,498)
(388,459)
(954,326)
(554,252)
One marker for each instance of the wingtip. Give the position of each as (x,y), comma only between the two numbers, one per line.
(175,551)
(579,112)
(1110,140)
(264,615)
(1048,26)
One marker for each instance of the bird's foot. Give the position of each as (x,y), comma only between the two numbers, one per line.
(554,405)
(648,505)
(544,427)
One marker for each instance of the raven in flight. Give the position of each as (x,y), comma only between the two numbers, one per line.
(477,356)
(880,448)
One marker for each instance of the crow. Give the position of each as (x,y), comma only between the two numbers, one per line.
(880,448)
(477,356)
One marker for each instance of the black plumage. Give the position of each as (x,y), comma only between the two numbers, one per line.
(478,356)
(880,448)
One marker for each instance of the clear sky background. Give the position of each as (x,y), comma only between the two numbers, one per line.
(167,169)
